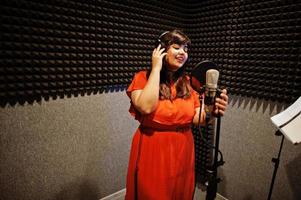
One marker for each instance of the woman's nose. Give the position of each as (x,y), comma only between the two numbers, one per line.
(182,50)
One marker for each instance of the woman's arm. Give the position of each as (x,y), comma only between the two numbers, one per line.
(196,120)
(145,100)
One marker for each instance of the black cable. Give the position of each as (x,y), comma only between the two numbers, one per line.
(211,146)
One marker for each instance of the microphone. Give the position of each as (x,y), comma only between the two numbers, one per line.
(203,79)
(211,90)
(198,78)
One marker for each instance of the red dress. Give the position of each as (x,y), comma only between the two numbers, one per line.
(161,165)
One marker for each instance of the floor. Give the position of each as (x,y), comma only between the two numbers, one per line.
(199,195)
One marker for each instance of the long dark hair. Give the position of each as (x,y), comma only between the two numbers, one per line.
(179,77)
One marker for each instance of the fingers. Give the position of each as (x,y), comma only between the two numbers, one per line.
(158,49)
(223,95)
(161,50)
(223,99)
(158,52)
(157,57)
(219,112)
(221,103)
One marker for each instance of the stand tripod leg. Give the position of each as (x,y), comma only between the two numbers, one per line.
(276,162)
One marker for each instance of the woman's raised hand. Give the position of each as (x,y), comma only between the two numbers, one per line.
(157,57)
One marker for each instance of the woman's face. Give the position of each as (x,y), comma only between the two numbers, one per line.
(176,56)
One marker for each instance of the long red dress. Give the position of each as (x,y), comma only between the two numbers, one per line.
(161,165)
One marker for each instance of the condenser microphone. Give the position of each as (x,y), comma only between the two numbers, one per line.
(203,79)
(211,89)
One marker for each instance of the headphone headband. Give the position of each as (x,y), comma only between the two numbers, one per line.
(159,39)
(163,34)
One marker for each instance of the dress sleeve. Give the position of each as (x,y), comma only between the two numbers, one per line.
(138,83)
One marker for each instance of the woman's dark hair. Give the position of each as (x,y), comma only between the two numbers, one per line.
(179,77)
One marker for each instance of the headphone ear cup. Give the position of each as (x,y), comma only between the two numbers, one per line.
(159,41)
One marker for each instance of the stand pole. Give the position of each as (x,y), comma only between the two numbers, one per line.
(276,164)
(213,180)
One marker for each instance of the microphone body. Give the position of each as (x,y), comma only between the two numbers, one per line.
(211,90)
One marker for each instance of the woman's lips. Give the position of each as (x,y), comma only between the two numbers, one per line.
(180,59)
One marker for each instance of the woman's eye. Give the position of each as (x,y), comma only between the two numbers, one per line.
(177,47)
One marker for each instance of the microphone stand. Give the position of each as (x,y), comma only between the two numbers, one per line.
(213,180)
(276,164)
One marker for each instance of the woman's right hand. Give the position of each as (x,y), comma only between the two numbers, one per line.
(157,57)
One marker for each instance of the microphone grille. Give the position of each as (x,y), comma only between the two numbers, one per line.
(212,78)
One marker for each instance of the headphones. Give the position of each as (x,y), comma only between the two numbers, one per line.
(159,41)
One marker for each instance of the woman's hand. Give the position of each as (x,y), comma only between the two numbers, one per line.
(221,103)
(157,57)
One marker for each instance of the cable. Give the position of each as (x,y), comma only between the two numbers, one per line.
(207,128)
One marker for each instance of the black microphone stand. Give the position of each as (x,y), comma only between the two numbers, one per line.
(213,180)
(276,164)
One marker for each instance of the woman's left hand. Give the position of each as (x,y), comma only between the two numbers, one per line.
(221,103)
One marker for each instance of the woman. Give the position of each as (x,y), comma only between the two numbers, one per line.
(161,162)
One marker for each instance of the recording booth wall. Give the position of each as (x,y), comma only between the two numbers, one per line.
(60,50)
(66,48)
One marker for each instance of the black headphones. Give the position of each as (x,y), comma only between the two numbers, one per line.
(159,41)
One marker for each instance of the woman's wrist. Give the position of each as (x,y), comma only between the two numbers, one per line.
(156,70)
